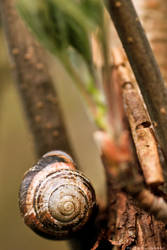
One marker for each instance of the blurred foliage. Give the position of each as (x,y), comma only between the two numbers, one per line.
(65,28)
(61,24)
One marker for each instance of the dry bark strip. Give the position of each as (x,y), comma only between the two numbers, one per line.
(141,127)
(34,83)
(146,145)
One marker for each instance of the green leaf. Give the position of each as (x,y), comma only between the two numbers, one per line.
(62,24)
(66,26)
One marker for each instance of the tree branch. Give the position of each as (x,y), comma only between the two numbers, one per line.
(34,83)
(143,64)
(141,126)
(153,17)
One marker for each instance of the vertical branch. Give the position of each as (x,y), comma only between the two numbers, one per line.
(114,103)
(153,17)
(143,64)
(38,95)
(34,83)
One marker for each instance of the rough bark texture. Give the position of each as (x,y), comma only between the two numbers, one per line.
(143,64)
(129,226)
(133,227)
(34,83)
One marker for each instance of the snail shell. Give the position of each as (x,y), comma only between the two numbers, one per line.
(55,199)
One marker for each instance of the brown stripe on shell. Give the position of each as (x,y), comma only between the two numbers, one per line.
(48,158)
(61,155)
(61,225)
(71,175)
(37,173)
(55,171)
(33,222)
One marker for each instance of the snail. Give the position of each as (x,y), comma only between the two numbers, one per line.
(55,199)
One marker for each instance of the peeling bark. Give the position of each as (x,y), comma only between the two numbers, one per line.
(147,226)
(125,233)
(134,228)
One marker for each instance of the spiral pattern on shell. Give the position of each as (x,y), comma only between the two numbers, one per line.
(55,199)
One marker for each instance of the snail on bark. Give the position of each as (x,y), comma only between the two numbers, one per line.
(55,199)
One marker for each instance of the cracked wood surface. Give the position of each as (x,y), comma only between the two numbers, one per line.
(140,123)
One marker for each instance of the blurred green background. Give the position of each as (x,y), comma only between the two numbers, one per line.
(17,153)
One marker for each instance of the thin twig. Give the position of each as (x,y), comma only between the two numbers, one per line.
(143,64)
(113,98)
(112,91)
(34,83)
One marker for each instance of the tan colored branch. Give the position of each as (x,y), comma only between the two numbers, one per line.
(144,139)
(34,83)
(142,132)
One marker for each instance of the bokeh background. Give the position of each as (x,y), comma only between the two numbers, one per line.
(17,152)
